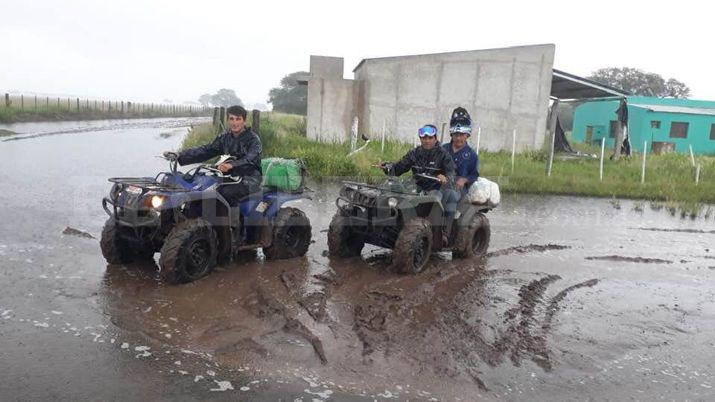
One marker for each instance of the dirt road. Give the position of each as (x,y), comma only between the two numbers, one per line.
(576,300)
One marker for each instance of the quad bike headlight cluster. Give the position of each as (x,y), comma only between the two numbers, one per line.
(392,202)
(157,201)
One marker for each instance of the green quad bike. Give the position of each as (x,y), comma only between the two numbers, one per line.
(396,215)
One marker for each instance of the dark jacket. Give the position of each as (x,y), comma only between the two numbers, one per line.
(245,147)
(420,158)
(466,162)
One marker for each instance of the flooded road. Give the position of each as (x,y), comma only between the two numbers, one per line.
(578,299)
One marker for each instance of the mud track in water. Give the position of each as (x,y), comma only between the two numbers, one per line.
(527,249)
(620,258)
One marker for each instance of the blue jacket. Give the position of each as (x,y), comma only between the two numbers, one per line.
(467,162)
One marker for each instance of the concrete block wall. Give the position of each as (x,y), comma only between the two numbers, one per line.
(331,100)
(503,89)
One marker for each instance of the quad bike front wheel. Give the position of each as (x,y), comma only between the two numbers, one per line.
(342,242)
(189,252)
(291,235)
(473,238)
(114,249)
(413,246)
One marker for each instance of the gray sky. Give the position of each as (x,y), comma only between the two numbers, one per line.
(154,50)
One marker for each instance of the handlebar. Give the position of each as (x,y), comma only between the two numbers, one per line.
(426,176)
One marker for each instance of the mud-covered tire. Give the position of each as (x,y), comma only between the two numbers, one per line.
(342,242)
(413,247)
(189,252)
(291,235)
(472,239)
(114,249)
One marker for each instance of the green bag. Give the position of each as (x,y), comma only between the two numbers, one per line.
(283,174)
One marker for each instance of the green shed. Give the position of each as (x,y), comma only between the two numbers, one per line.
(665,123)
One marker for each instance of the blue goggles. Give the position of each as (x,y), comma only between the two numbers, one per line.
(427,131)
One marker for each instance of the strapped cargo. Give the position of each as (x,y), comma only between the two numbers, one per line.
(284,174)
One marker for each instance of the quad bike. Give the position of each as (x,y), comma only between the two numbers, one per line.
(396,215)
(184,217)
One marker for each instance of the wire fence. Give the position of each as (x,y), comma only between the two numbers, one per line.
(45,104)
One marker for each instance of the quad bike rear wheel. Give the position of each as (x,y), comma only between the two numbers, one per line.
(473,238)
(291,235)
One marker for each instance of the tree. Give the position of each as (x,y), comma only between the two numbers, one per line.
(639,82)
(223,97)
(290,97)
(205,100)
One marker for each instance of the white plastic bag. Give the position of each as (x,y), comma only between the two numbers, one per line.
(484,192)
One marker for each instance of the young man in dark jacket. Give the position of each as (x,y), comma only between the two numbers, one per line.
(431,159)
(238,141)
(465,159)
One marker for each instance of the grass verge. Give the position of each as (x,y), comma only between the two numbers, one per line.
(669,179)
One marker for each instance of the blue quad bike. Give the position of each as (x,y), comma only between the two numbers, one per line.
(184,217)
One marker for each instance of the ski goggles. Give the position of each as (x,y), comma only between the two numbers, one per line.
(427,131)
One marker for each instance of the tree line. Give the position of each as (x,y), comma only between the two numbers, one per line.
(291,97)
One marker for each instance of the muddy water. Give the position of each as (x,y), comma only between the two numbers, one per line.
(576,300)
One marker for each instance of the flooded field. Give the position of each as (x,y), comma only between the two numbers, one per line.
(577,299)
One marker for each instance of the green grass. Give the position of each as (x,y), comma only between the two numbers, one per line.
(669,178)
(284,135)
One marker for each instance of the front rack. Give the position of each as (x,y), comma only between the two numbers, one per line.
(147,183)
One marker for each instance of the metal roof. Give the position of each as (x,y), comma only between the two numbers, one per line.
(569,86)
(675,109)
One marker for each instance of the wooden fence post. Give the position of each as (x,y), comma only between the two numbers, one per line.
(513,150)
(215,118)
(222,116)
(35,102)
(78,104)
(256,117)
(645,151)
(7,100)
(697,174)
(603,150)
(552,133)
(22,102)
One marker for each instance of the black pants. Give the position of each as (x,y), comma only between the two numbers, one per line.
(234,193)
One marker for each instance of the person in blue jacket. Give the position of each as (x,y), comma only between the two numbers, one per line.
(465,159)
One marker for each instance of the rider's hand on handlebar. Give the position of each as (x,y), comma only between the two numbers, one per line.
(461,182)
(442,178)
(172,156)
(225,167)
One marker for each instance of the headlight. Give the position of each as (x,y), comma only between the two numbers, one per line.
(114,192)
(392,202)
(157,201)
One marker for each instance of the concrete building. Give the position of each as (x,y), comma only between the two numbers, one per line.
(503,89)
(666,124)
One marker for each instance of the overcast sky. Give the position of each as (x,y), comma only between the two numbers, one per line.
(154,50)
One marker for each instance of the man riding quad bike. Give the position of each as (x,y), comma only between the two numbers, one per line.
(210,213)
(414,220)
(185,218)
